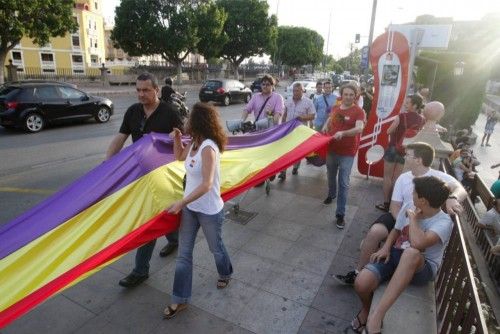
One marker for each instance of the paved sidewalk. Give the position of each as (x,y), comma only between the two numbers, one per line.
(488,156)
(282,262)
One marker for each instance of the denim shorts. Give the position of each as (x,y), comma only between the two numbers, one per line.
(384,271)
(387,220)
(392,155)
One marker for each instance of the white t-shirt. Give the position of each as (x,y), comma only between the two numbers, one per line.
(492,219)
(403,188)
(211,202)
(440,223)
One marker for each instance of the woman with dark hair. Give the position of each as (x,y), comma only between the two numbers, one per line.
(394,156)
(202,204)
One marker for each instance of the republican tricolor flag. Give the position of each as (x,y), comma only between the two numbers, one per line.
(119,206)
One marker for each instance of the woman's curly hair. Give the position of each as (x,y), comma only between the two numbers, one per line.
(204,123)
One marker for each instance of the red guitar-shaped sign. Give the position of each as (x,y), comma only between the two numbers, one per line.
(389,57)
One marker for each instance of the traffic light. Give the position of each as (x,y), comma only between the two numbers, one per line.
(356,38)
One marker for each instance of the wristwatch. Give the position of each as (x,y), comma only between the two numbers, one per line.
(453,197)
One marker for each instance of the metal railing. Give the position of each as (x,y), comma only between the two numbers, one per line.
(457,301)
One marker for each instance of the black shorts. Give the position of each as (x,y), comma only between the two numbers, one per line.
(387,220)
(392,155)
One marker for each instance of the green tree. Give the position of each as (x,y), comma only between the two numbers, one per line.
(170,28)
(37,19)
(250,30)
(351,62)
(297,46)
(474,44)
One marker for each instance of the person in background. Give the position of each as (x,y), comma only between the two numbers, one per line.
(202,204)
(323,105)
(491,120)
(394,159)
(319,90)
(367,95)
(301,108)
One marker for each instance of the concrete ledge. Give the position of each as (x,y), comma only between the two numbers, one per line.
(413,313)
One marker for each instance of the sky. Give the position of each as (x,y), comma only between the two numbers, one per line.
(346,18)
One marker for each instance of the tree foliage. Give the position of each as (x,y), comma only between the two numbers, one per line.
(298,46)
(475,45)
(250,30)
(352,62)
(170,28)
(37,19)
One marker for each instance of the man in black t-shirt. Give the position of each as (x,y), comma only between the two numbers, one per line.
(149,115)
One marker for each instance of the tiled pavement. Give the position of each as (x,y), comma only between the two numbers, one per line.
(282,263)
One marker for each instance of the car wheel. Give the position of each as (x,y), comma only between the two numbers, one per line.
(34,123)
(248,97)
(226,100)
(103,115)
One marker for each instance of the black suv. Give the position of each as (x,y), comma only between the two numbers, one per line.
(32,104)
(224,91)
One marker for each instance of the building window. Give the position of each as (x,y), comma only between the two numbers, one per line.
(95,5)
(95,45)
(94,59)
(78,71)
(17,57)
(90,24)
(47,59)
(76,20)
(77,59)
(76,41)
(48,70)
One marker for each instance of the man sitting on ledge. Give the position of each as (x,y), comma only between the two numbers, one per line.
(412,253)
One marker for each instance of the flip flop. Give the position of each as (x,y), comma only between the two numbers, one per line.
(169,312)
(222,283)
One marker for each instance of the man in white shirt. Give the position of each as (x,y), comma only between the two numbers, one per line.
(301,108)
(418,159)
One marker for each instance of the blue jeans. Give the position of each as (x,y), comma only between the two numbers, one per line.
(212,228)
(144,253)
(341,165)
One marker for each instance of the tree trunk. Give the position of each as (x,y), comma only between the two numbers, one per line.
(3,55)
(179,73)
(235,70)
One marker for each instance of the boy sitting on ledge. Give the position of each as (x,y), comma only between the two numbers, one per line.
(412,253)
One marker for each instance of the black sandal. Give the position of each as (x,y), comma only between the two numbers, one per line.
(383,206)
(360,328)
(222,283)
(169,312)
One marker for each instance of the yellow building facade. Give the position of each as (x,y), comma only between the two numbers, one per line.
(81,52)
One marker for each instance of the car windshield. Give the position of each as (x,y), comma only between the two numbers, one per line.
(212,84)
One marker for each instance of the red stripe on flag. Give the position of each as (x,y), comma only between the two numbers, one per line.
(160,225)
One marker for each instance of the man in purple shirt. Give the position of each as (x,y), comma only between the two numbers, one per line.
(266,103)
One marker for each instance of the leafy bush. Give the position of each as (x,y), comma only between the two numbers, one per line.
(462,95)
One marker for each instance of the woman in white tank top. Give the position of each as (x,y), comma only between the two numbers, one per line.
(202,204)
